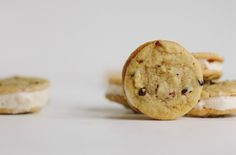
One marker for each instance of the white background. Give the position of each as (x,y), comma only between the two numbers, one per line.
(74,43)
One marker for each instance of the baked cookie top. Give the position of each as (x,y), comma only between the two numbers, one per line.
(223,88)
(162,79)
(22,84)
(209,56)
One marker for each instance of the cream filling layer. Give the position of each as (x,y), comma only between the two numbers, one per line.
(211,65)
(218,103)
(24,101)
(115,89)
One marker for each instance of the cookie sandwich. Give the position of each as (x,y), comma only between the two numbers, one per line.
(217,99)
(23,94)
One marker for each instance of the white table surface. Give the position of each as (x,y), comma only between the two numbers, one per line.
(74,43)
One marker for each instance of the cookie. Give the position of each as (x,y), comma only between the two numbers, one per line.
(162,80)
(217,99)
(23,94)
(211,64)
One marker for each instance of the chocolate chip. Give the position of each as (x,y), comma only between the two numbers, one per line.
(158,44)
(201,83)
(36,82)
(199,100)
(140,61)
(158,65)
(156,88)
(190,91)
(184,91)
(177,74)
(142,91)
(132,75)
(172,94)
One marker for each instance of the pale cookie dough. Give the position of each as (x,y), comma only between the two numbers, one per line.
(162,80)
(23,94)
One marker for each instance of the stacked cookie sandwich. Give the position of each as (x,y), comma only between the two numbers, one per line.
(162,80)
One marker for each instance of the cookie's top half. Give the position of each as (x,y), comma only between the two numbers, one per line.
(223,88)
(18,84)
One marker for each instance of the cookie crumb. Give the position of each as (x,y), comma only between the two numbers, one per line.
(142,91)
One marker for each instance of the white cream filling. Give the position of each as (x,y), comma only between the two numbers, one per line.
(115,89)
(24,101)
(218,103)
(211,65)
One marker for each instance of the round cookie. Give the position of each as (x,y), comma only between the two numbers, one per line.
(217,99)
(162,80)
(211,64)
(23,94)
